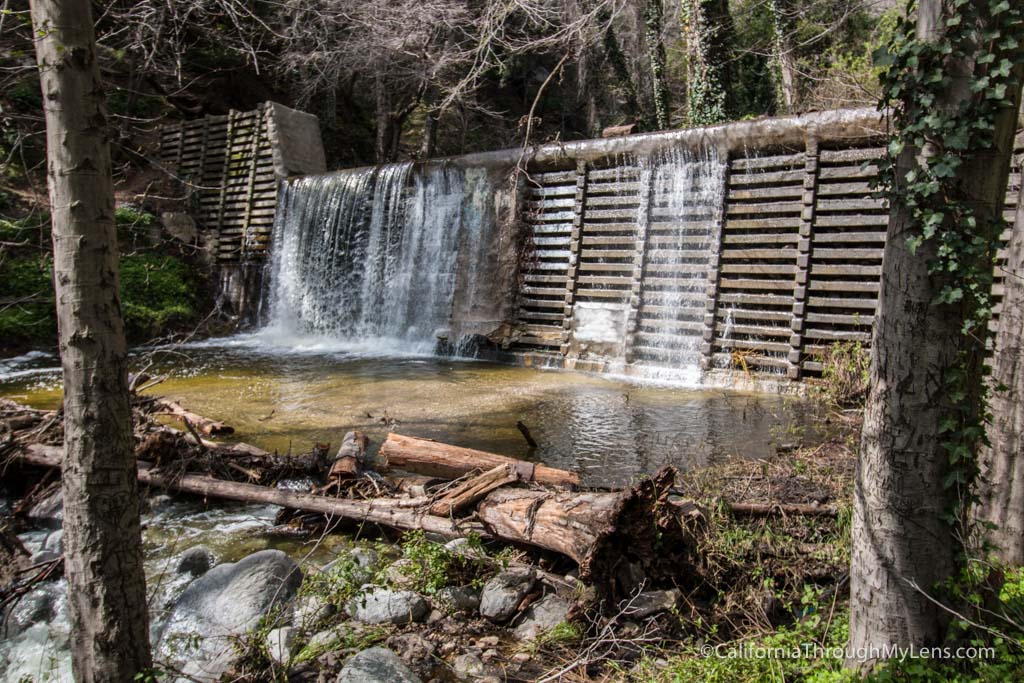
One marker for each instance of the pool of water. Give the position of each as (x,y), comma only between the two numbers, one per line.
(289,396)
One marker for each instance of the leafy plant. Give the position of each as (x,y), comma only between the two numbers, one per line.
(845,374)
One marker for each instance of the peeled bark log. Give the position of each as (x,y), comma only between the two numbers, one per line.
(351,457)
(203,424)
(469,492)
(615,537)
(436,459)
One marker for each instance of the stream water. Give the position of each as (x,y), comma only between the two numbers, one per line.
(287,393)
(610,430)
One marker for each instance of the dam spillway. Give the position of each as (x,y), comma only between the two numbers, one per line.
(753,246)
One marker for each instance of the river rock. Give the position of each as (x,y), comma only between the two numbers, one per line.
(412,648)
(468,667)
(52,548)
(651,602)
(196,561)
(281,644)
(383,606)
(376,665)
(502,594)
(48,512)
(541,617)
(465,599)
(225,602)
(36,606)
(310,611)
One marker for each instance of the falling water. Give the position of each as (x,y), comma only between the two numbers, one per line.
(686,200)
(371,255)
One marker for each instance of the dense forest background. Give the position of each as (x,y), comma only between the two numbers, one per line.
(400,79)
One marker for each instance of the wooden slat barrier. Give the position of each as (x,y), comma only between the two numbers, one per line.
(546,288)
(226,164)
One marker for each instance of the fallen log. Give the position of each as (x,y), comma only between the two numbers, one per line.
(436,459)
(780,509)
(203,424)
(471,491)
(619,539)
(397,513)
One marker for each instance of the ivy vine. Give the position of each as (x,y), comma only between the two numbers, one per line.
(916,85)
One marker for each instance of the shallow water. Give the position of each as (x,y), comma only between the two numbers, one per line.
(610,430)
(286,393)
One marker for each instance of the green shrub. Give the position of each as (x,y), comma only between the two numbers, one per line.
(26,291)
(845,374)
(157,295)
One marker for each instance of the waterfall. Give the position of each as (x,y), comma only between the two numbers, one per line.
(684,222)
(370,256)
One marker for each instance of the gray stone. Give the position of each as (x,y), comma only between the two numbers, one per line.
(196,561)
(651,602)
(502,594)
(464,599)
(224,603)
(383,606)
(412,648)
(281,644)
(462,546)
(401,573)
(180,226)
(36,606)
(48,512)
(376,665)
(365,557)
(541,617)
(469,667)
(310,611)
(52,548)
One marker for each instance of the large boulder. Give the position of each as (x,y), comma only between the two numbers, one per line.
(503,594)
(224,603)
(386,606)
(376,665)
(542,616)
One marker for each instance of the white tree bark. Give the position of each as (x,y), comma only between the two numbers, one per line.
(102,540)
(902,545)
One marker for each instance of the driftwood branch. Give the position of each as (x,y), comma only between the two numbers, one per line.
(469,492)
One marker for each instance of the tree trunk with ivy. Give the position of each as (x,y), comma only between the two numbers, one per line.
(708,31)
(617,60)
(102,536)
(924,416)
(653,12)
(1002,497)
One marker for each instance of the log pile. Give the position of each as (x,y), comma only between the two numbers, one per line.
(617,538)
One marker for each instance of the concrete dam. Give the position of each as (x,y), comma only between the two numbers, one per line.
(748,246)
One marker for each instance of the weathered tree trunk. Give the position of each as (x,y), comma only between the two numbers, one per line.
(424,456)
(618,61)
(787,95)
(653,13)
(708,31)
(903,545)
(1002,490)
(102,538)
